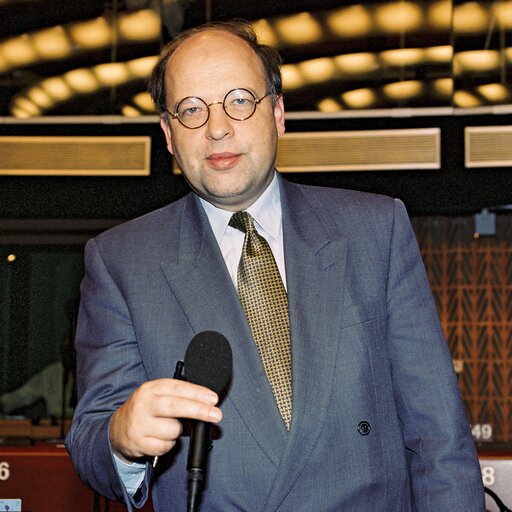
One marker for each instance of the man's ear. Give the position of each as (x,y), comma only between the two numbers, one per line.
(279,115)
(164,124)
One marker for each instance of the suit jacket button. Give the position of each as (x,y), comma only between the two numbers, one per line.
(364,428)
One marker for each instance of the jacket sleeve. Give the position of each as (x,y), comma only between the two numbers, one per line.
(109,369)
(443,465)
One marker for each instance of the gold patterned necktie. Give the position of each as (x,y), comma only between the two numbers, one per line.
(265,303)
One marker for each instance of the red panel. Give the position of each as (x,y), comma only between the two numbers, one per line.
(44,478)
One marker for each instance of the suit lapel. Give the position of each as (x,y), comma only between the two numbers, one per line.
(201,283)
(315,269)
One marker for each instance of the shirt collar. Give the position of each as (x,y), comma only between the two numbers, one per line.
(266,211)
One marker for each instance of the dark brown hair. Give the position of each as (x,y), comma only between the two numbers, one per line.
(268,56)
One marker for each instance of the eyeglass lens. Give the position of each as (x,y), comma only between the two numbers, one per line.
(239,104)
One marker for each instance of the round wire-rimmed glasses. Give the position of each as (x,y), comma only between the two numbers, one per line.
(239,104)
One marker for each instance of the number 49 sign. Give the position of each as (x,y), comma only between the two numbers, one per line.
(482,432)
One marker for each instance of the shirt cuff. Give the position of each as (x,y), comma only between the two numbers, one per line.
(131,474)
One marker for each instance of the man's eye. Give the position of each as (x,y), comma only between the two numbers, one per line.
(241,103)
(191,111)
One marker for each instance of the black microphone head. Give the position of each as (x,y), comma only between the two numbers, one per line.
(209,360)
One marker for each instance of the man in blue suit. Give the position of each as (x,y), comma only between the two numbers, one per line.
(377,422)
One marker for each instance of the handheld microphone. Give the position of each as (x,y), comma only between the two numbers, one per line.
(208,362)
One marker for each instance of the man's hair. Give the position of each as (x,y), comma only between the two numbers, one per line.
(268,56)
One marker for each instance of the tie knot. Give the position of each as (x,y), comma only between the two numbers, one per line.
(242,221)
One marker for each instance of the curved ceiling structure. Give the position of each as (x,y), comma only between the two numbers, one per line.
(61,58)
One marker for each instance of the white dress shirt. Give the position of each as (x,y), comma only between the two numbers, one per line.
(267,215)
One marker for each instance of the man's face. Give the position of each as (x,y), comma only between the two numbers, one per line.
(227,162)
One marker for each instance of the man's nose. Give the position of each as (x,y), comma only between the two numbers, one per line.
(219,124)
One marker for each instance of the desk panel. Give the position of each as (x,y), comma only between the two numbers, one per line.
(497,476)
(45,480)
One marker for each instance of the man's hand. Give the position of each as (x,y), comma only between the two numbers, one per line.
(147,423)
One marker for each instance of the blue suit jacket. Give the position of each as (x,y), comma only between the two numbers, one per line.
(377,421)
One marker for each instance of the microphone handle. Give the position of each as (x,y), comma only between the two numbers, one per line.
(195,488)
(196,464)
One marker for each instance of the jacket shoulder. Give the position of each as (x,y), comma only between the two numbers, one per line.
(149,226)
(345,204)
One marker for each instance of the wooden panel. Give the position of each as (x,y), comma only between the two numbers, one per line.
(471,279)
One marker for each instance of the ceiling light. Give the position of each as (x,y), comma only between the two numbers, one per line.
(503,11)
(141,68)
(292,77)
(143,25)
(396,17)
(359,98)
(111,74)
(328,105)
(494,93)
(464,99)
(443,87)
(405,90)
(300,28)
(470,17)
(266,34)
(402,57)
(356,63)
(475,61)
(144,102)
(439,14)
(19,51)
(354,21)
(27,106)
(129,111)
(52,43)
(82,81)
(439,54)
(95,33)
(19,113)
(40,97)
(318,70)
(3,64)
(60,42)
(57,88)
